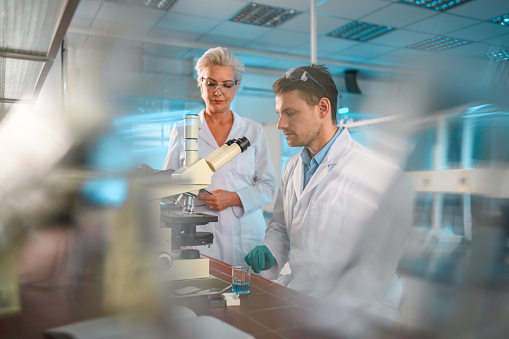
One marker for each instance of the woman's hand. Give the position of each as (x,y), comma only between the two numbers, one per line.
(220,199)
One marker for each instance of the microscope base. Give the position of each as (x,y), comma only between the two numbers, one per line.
(186,268)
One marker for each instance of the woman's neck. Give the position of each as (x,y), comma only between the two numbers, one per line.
(219,117)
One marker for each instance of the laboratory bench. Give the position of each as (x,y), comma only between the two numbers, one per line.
(269,311)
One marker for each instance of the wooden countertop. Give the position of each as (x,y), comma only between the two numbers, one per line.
(269,311)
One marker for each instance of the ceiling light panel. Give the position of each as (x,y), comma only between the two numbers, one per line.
(502,55)
(157,4)
(28,27)
(20,78)
(437,5)
(438,43)
(263,15)
(501,20)
(359,31)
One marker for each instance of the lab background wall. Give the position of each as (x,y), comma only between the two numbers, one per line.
(146,94)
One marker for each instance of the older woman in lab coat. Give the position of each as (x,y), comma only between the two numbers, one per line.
(244,185)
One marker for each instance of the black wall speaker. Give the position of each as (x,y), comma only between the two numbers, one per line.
(351,81)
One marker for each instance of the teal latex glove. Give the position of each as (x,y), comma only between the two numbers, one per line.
(260,259)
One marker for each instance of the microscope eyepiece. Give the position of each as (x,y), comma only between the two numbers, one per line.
(243,143)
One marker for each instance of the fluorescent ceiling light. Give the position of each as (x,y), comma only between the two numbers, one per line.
(29,27)
(501,20)
(501,55)
(359,31)
(437,5)
(19,78)
(438,43)
(263,15)
(31,33)
(157,4)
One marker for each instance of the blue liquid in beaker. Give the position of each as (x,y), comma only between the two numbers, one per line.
(241,288)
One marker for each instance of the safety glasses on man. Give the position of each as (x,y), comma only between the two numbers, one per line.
(225,86)
(300,74)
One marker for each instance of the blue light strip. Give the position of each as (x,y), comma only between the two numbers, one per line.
(438,43)
(437,5)
(499,56)
(359,31)
(263,15)
(501,20)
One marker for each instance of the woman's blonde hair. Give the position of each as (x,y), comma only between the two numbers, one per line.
(220,56)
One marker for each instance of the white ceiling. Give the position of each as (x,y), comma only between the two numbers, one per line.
(192,26)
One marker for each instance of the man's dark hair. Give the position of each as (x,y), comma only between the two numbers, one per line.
(309,90)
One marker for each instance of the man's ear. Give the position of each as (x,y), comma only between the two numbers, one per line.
(324,107)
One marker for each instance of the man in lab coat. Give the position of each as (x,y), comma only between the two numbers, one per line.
(341,213)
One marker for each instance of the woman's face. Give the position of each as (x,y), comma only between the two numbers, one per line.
(218,88)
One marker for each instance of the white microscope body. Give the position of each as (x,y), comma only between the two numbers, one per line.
(194,175)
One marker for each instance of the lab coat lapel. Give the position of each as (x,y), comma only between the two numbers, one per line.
(238,128)
(332,157)
(298,179)
(320,174)
(206,134)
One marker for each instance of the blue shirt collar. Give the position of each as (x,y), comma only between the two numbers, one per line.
(313,163)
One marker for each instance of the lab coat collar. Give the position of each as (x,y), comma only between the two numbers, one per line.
(235,131)
(333,156)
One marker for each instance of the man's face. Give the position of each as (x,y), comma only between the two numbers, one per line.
(299,122)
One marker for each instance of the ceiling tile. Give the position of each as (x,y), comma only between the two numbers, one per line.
(441,24)
(166,51)
(76,40)
(186,23)
(239,30)
(81,22)
(347,58)
(258,45)
(367,50)
(300,5)
(398,15)
(402,56)
(434,59)
(256,61)
(285,38)
(100,43)
(502,40)
(324,24)
(221,10)
(327,44)
(227,41)
(480,32)
(87,9)
(118,28)
(401,38)
(482,9)
(284,65)
(348,10)
(175,35)
(130,14)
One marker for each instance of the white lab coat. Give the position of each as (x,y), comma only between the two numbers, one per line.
(250,174)
(343,235)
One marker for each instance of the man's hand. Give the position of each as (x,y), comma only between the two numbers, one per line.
(260,258)
(220,199)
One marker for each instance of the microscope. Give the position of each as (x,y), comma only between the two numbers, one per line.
(178,229)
